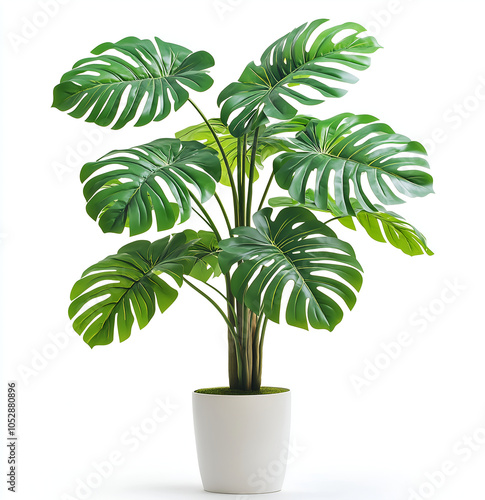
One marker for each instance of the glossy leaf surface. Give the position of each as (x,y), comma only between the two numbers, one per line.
(136,69)
(123,187)
(297,250)
(383,226)
(126,285)
(353,147)
(263,90)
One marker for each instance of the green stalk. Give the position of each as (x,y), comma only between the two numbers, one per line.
(233,365)
(224,157)
(240,330)
(260,318)
(252,166)
(224,213)
(249,347)
(231,310)
(335,218)
(256,355)
(245,381)
(209,221)
(202,217)
(240,307)
(238,178)
(261,341)
(213,302)
(245,344)
(266,191)
(226,319)
(233,362)
(242,194)
(240,182)
(256,376)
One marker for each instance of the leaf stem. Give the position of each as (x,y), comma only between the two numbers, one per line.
(241,172)
(252,166)
(226,319)
(224,213)
(209,221)
(202,217)
(235,372)
(224,157)
(266,191)
(335,218)
(230,306)
(261,341)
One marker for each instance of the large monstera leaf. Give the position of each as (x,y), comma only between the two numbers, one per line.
(126,191)
(262,90)
(383,226)
(138,68)
(294,247)
(127,284)
(353,147)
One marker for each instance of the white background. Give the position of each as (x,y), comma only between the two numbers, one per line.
(376,443)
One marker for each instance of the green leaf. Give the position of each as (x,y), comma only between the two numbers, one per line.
(388,226)
(295,124)
(295,248)
(351,147)
(99,84)
(124,285)
(382,226)
(128,189)
(205,251)
(262,90)
(270,141)
(285,201)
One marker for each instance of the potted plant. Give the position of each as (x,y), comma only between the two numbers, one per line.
(344,168)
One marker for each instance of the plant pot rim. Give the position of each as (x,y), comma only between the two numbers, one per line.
(281,391)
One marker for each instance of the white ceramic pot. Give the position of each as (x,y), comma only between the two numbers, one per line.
(242,441)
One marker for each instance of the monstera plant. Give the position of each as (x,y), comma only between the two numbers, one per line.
(253,263)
